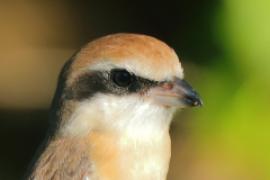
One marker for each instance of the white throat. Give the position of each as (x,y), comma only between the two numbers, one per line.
(141,125)
(129,115)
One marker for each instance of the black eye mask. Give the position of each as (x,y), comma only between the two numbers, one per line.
(116,81)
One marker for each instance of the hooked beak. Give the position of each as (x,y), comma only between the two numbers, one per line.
(175,93)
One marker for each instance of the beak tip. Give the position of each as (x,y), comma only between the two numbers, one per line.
(198,103)
(193,100)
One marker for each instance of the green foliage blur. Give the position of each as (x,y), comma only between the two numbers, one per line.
(232,131)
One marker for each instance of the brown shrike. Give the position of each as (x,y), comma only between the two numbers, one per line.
(112,111)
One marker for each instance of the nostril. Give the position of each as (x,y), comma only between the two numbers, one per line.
(167,85)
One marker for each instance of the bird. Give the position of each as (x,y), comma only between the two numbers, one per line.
(112,111)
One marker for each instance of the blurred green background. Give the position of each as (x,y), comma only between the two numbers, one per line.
(224,47)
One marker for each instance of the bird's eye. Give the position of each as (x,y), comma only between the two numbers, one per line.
(122,77)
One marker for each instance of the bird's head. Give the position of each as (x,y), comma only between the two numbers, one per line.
(123,82)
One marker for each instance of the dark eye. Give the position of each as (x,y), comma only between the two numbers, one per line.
(122,77)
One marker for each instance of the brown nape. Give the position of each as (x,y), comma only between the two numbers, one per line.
(64,158)
(56,111)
